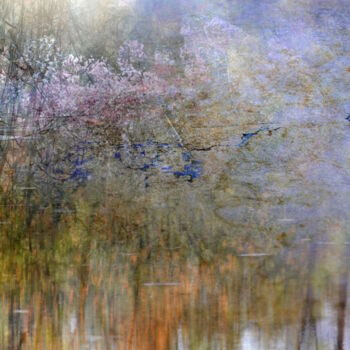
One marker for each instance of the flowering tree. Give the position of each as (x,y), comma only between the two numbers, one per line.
(89,90)
(53,88)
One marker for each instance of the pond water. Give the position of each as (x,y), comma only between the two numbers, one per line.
(226,225)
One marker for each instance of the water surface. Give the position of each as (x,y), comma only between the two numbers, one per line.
(224,225)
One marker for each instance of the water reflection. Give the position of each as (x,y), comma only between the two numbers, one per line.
(252,254)
(103,298)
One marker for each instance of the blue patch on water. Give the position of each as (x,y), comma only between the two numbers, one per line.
(166,168)
(78,159)
(193,170)
(80,175)
(146,167)
(58,171)
(152,154)
(245,137)
(138,145)
(186,156)
(81,161)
